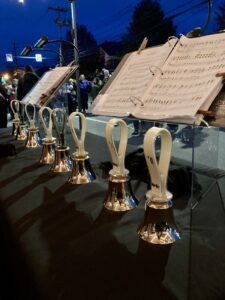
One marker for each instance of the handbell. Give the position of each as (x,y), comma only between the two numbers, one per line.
(48,143)
(82,172)
(62,162)
(21,133)
(158,226)
(15,124)
(119,196)
(33,138)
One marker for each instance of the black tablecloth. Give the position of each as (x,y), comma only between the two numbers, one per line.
(57,241)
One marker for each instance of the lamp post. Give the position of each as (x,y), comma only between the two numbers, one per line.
(28,49)
(44,40)
(76,54)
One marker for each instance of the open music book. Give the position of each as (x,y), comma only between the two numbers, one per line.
(170,82)
(48,84)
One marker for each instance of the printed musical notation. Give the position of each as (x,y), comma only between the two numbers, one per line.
(188,82)
(47,85)
(132,80)
(184,83)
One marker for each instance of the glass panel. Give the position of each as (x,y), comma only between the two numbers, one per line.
(206,270)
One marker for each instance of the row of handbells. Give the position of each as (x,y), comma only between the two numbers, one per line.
(158,226)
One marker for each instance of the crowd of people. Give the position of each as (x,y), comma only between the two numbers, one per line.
(18,87)
(15,88)
(89,88)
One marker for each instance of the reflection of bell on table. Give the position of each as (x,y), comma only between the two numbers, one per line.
(82,172)
(48,143)
(119,197)
(48,152)
(158,226)
(62,162)
(33,138)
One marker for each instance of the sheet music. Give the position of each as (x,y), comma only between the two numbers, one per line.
(47,85)
(132,81)
(188,82)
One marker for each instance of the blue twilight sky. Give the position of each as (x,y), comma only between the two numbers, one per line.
(23,24)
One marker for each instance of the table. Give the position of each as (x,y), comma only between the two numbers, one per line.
(58,242)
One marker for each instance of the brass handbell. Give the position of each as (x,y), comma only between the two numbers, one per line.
(119,196)
(33,138)
(48,148)
(62,162)
(158,226)
(18,128)
(82,172)
(15,122)
(21,134)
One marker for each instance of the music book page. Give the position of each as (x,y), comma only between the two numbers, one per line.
(189,81)
(47,85)
(127,88)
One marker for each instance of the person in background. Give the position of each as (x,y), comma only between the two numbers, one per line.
(106,74)
(85,89)
(3,106)
(96,86)
(72,104)
(26,82)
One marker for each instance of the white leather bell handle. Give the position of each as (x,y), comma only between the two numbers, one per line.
(15,104)
(118,156)
(47,129)
(158,169)
(79,142)
(30,118)
(61,131)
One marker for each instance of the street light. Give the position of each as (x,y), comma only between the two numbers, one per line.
(21,1)
(44,40)
(28,49)
(41,42)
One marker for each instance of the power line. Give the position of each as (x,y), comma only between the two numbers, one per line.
(170,17)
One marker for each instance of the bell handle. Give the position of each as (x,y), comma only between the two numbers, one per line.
(158,169)
(60,132)
(31,118)
(15,109)
(117,155)
(79,142)
(47,129)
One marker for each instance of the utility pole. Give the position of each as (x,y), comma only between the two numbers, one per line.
(15,53)
(60,23)
(76,54)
